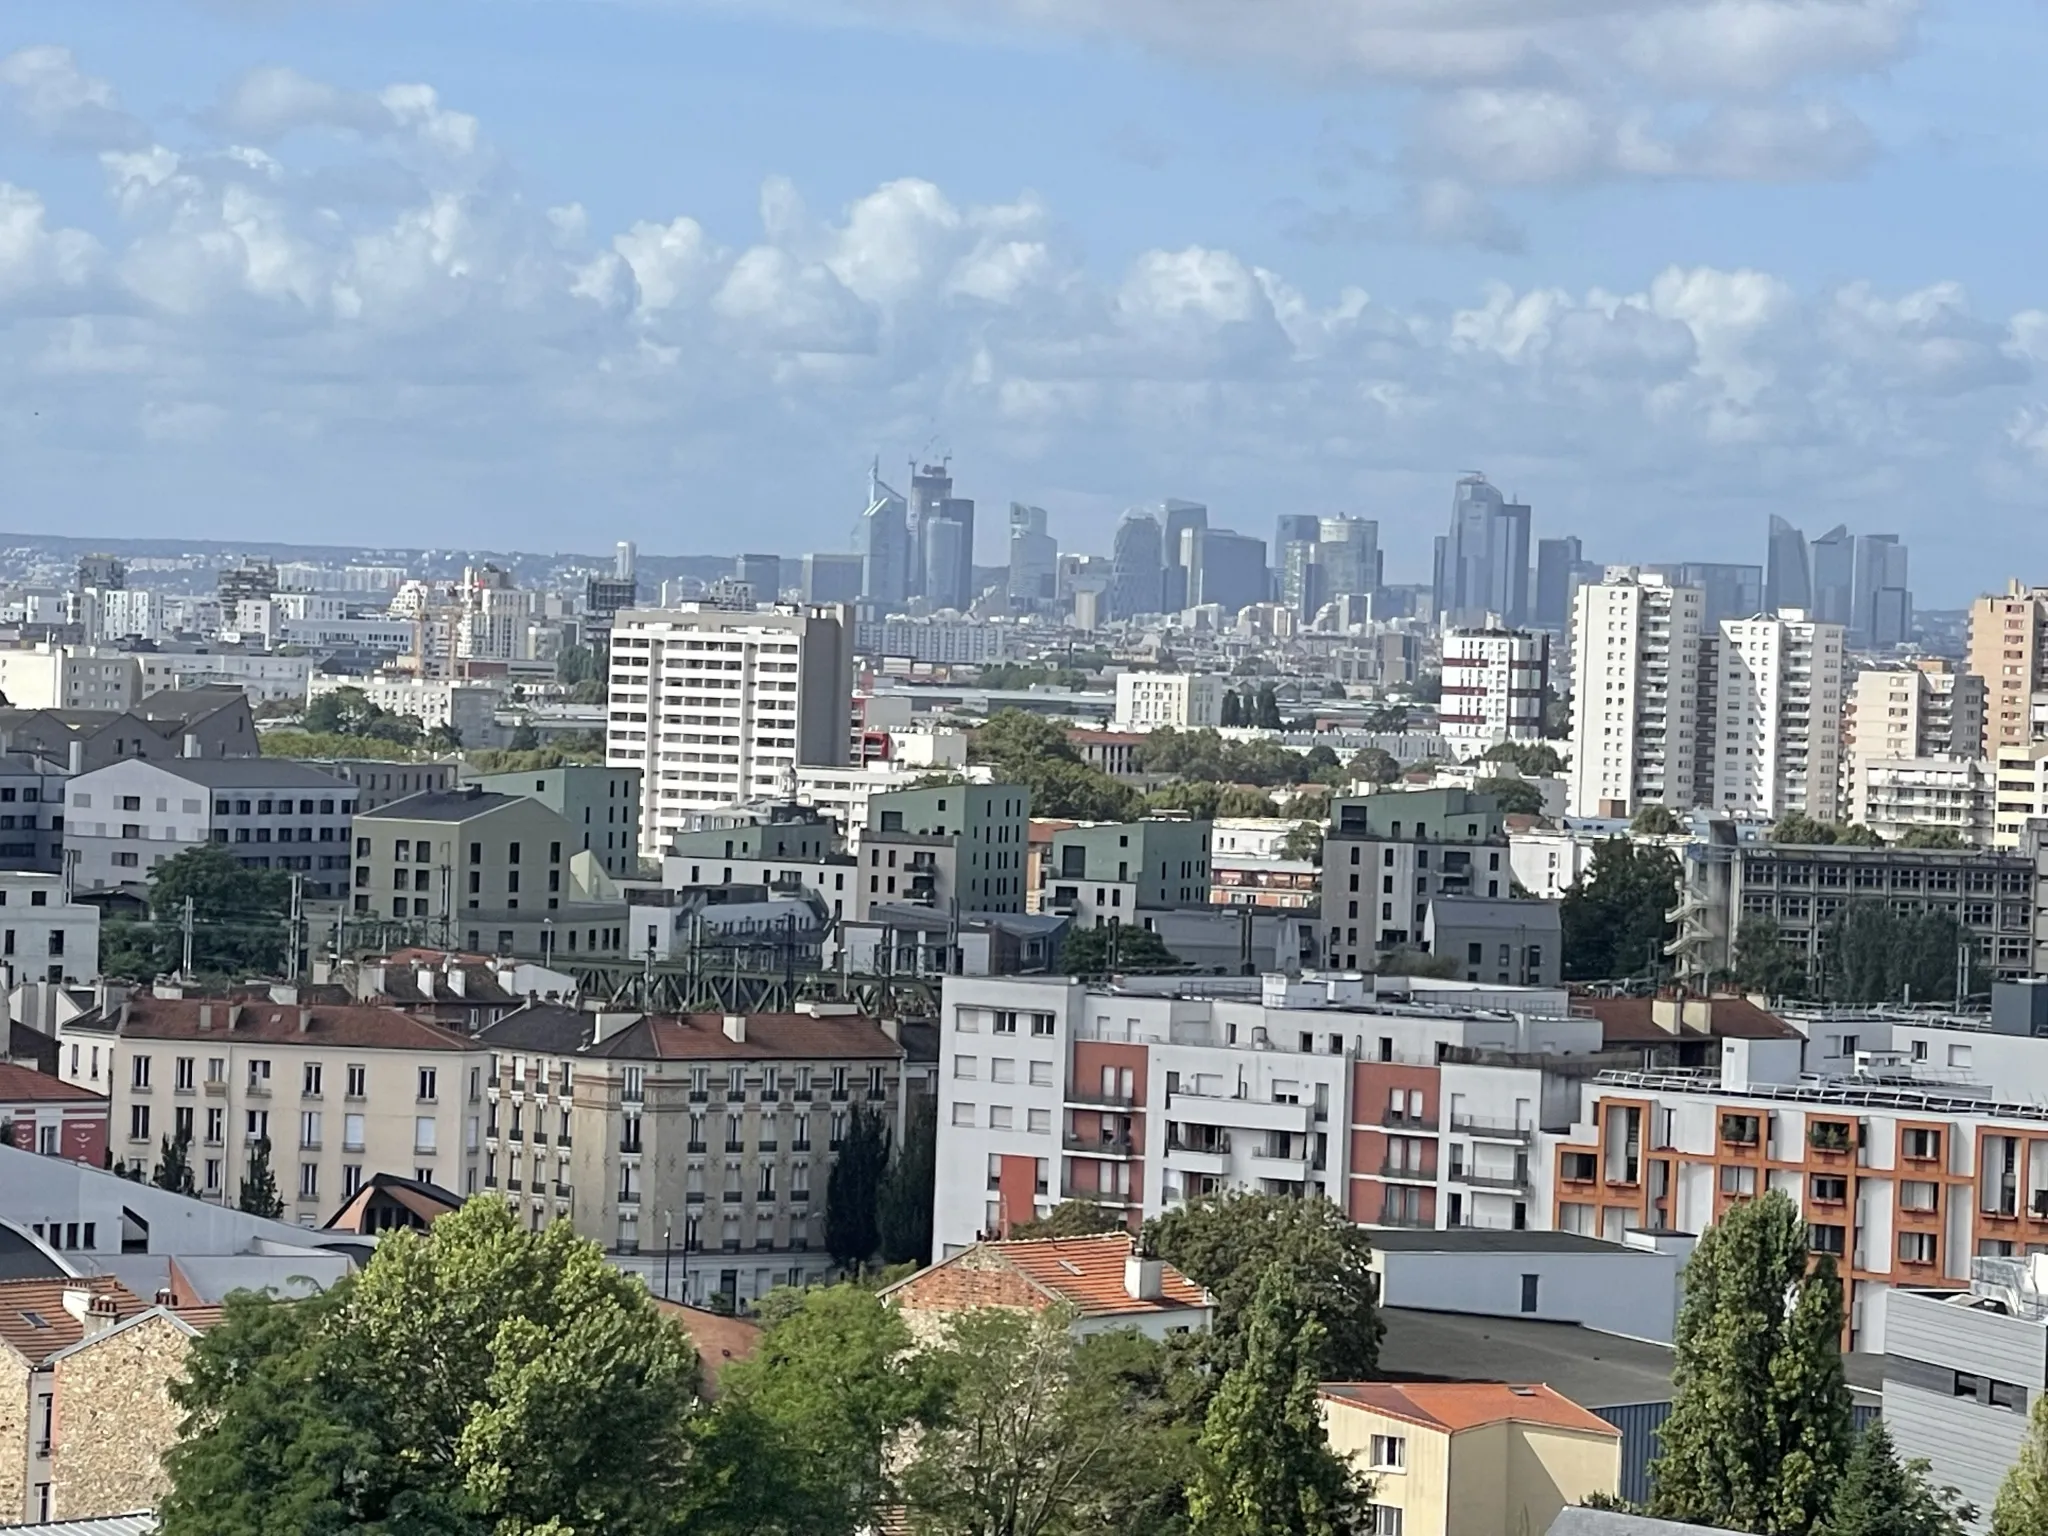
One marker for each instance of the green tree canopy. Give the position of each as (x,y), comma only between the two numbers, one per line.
(1759,1427)
(1655,820)
(1116,950)
(1515,797)
(1531,757)
(174,1169)
(475,1380)
(1875,955)
(1304,841)
(1033,751)
(1229,1242)
(1614,917)
(349,712)
(1878,1495)
(1266,1467)
(1072,1218)
(1799,828)
(1765,961)
(1931,837)
(239,923)
(2022,1505)
(853,1190)
(904,1205)
(1375,764)
(258,1195)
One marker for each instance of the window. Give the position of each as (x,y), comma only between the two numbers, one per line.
(309,1086)
(1916,1247)
(309,1181)
(423,1133)
(138,1122)
(963,1114)
(357,1077)
(966,1067)
(1923,1195)
(1529,1285)
(309,1130)
(1383,1520)
(428,1079)
(1922,1145)
(1389,1453)
(351,1133)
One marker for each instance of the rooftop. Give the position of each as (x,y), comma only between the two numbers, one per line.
(720,1340)
(241,773)
(35,1323)
(25,1085)
(256,1018)
(443,805)
(1491,1240)
(1458,1405)
(702,1037)
(1086,1273)
(1630,1020)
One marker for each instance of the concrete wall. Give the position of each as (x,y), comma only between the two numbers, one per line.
(1626,1291)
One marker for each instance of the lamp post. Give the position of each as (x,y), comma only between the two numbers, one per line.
(667,1252)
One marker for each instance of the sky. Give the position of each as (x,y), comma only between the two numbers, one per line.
(548,273)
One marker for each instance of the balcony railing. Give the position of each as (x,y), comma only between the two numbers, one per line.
(1099,1146)
(1490,1130)
(1405,1171)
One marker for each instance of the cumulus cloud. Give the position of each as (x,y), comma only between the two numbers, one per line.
(45,96)
(471,356)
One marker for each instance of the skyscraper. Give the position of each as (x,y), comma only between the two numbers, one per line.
(1884,607)
(1834,576)
(1728,591)
(1179,519)
(1034,557)
(1636,647)
(1554,561)
(885,546)
(1788,569)
(1296,528)
(1137,566)
(1228,569)
(943,575)
(763,573)
(1348,550)
(1483,562)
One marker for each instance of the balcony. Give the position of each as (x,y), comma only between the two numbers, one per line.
(1405,1122)
(216,1089)
(1098,1146)
(1517,1182)
(1405,1174)
(1240,1114)
(1272,1165)
(1077,1099)
(1404,1220)
(630,1198)
(1072,1191)
(1490,1130)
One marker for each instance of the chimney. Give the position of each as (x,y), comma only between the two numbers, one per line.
(425,975)
(1144,1279)
(206,1016)
(609,1024)
(458,980)
(101,1313)
(192,748)
(736,1028)
(305,1021)
(284,993)
(892,1027)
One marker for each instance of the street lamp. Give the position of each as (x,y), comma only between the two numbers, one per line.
(667,1252)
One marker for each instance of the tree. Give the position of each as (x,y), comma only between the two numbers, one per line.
(1514,797)
(1072,1218)
(473,1380)
(1875,955)
(1879,1495)
(1266,1467)
(258,1195)
(1417,962)
(2022,1505)
(1039,1432)
(1931,837)
(1304,841)
(1233,710)
(1799,828)
(904,1207)
(800,1440)
(1267,715)
(1759,1427)
(1533,758)
(1030,750)
(1655,820)
(853,1189)
(1764,961)
(1375,765)
(1229,1242)
(1614,917)
(238,919)
(575,664)
(1114,949)
(174,1171)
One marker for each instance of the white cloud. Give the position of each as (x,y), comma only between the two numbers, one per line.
(467,355)
(45,95)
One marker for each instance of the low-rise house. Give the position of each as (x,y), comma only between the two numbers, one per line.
(39,1319)
(113,1416)
(1106,1281)
(1470,1458)
(46,1115)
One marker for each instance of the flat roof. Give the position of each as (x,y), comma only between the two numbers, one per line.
(1488,1240)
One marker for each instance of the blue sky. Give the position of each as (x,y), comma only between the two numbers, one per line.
(551,272)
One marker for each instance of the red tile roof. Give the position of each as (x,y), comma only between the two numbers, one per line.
(793,1036)
(1455,1405)
(155,1018)
(1631,1020)
(34,1322)
(25,1085)
(1086,1273)
(719,1340)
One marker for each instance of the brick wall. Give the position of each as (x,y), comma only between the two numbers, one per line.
(115,1419)
(977,1278)
(14,1427)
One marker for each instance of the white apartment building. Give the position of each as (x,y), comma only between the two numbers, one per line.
(50,676)
(380,635)
(267,679)
(1493,685)
(719,708)
(1894,795)
(958,642)
(44,934)
(340,1093)
(2022,793)
(271,813)
(470,706)
(1546,864)
(123,613)
(1408,1104)
(1181,701)
(1636,655)
(1775,744)
(1929,708)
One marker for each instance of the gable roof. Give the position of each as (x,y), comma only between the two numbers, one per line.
(427,1201)
(446,805)
(1086,1273)
(795,1036)
(1452,1406)
(144,1017)
(1633,1021)
(25,1085)
(34,1322)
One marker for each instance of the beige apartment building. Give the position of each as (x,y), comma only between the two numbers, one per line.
(1928,707)
(340,1092)
(2009,650)
(703,1144)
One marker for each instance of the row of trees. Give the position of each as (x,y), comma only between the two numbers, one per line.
(1869,954)
(1259,710)
(481,1378)
(1798,827)
(240,920)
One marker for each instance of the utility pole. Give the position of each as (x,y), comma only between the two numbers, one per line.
(185,969)
(297,918)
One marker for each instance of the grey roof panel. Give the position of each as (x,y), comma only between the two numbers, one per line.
(1489,1240)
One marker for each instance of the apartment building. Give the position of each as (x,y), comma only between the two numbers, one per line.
(378,782)
(719,708)
(2021,793)
(1988,892)
(703,1145)
(50,1117)
(1920,1145)
(1120,871)
(601,805)
(182,722)
(1494,682)
(44,934)
(1636,645)
(1928,707)
(31,811)
(339,1093)
(948,845)
(480,871)
(269,812)
(40,1318)
(467,706)
(1103,1281)
(2009,652)
(782,848)
(265,677)
(1179,701)
(1386,856)
(112,1416)
(1406,1104)
(1894,795)
(1776,732)
(53,676)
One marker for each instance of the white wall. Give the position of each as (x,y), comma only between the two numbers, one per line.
(1623,1290)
